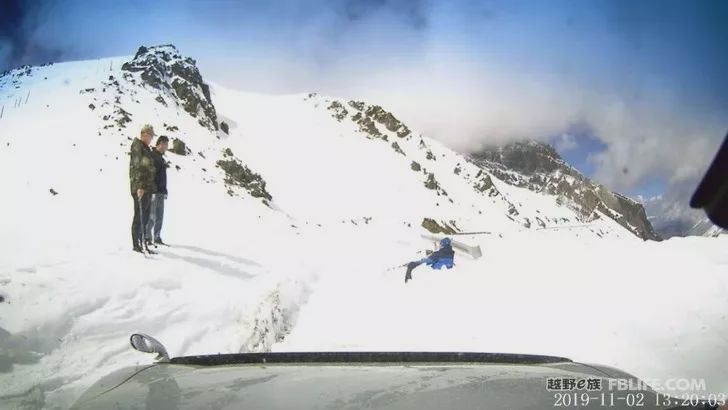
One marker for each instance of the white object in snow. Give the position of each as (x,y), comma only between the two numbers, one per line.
(473,251)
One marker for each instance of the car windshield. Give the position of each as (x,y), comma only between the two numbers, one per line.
(495,177)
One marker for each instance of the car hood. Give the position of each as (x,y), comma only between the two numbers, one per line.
(357,385)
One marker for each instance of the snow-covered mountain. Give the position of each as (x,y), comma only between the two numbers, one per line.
(672,217)
(538,167)
(432,185)
(286,213)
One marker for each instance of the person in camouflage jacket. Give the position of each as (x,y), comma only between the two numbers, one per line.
(141,181)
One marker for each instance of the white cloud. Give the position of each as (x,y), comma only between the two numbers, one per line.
(444,89)
(565,142)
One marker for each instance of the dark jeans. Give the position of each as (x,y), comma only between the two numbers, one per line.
(140,221)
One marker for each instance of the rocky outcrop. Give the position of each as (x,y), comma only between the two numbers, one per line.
(179,147)
(431,182)
(538,167)
(367,126)
(433,226)
(163,68)
(484,184)
(373,120)
(239,175)
(339,112)
(397,148)
(122,117)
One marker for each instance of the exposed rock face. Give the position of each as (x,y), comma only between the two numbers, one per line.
(163,68)
(179,147)
(339,112)
(373,120)
(434,227)
(237,174)
(538,167)
(122,117)
(484,183)
(431,182)
(397,148)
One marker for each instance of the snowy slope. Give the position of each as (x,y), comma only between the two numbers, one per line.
(306,267)
(672,217)
(537,166)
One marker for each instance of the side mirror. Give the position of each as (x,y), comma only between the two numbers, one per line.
(147,344)
(712,193)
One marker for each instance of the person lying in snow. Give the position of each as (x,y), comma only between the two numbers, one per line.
(436,260)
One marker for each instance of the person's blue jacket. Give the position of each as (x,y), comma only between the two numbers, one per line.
(442,257)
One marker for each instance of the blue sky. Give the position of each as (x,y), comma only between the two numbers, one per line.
(646,82)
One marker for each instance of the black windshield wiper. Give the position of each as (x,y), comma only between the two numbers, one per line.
(366,357)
